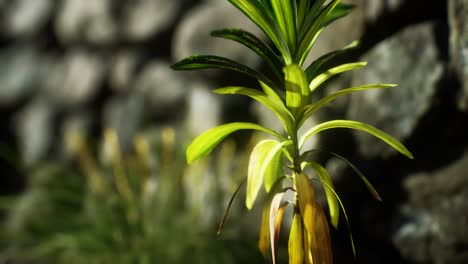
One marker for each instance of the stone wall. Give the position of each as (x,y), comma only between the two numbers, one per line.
(86,65)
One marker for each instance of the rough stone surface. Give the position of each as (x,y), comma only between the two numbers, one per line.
(192,35)
(434,226)
(458,18)
(23,18)
(409,59)
(18,73)
(203,109)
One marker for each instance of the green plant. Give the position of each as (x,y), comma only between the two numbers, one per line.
(287,90)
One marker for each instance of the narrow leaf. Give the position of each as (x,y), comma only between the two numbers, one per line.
(319,238)
(358,126)
(285,17)
(297,92)
(306,199)
(264,237)
(331,199)
(255,44)
(317,66)
(296,242)
(340,11)
(302,9)
(321,78)
(216,62)
(275,105)
(274,232)
(228,209)
(206,142)
(309,110)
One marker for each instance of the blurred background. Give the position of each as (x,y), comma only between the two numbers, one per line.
(95,125)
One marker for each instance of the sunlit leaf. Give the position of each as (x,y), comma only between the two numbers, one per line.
(319,238)
(306,199)
(216,62)
(277,107)
(206,142)
(341,10)
(309,110)
(285,17)
(260,168)
(321,78)
(331,199)
(358,126)
(302,8)
(317,66)
(228,208)
(276,215)
(344,213)
(296,243)
(297,92)
(255,44)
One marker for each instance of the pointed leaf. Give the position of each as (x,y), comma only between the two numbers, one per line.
(344,213)
(228,209)
(276,214)
(264,237)
(296,242)
(340,11)
(255,44)
(309,110)
(215,62)
(321,78)
(358,126)
(306,199)
(297,92)
(277,107)
(319,238)
(317,66)
(285,17)
(206,142)
(331,199)
(302,9)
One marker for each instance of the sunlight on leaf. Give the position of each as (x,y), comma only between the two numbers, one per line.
(321,78)
(296,243)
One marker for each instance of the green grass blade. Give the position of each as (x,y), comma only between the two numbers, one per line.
(331,198)
(258,14)
(215,62)
(256,45)
(317,66)
(312,108)
(391,141)
(321,78)
(206,142)
(275,105)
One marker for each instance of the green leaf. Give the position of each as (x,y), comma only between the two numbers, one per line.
(309,110)
(302,9)
(331,199)
(341,10)
(207,141)
(215,62)
(317,66)
(285,17)
(297,92)
(296,242)
(307,39)
(273,103)
(255,44)
(358,126)
(228,208)
(256,13)
(321,78)
(344,213)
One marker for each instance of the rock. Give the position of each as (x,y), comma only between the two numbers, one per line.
(34,130)
(124,115)
(23,18)
(374,9)
(122,70)
(458,13)
(438,232)
(75,79)
(192,34)
(410,59)
(86,21)
(18,73)
(204,109)
(162,88)
(145,18)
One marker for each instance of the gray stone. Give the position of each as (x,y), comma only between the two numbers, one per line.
(34,130)
(145,18)
(375,8)
(458,19)
(438,233)
(161,87)
(86,21)
(22,18)
(75,79)
(204,109)
(18,73)
(410,59)
(122,70)
(192,35)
